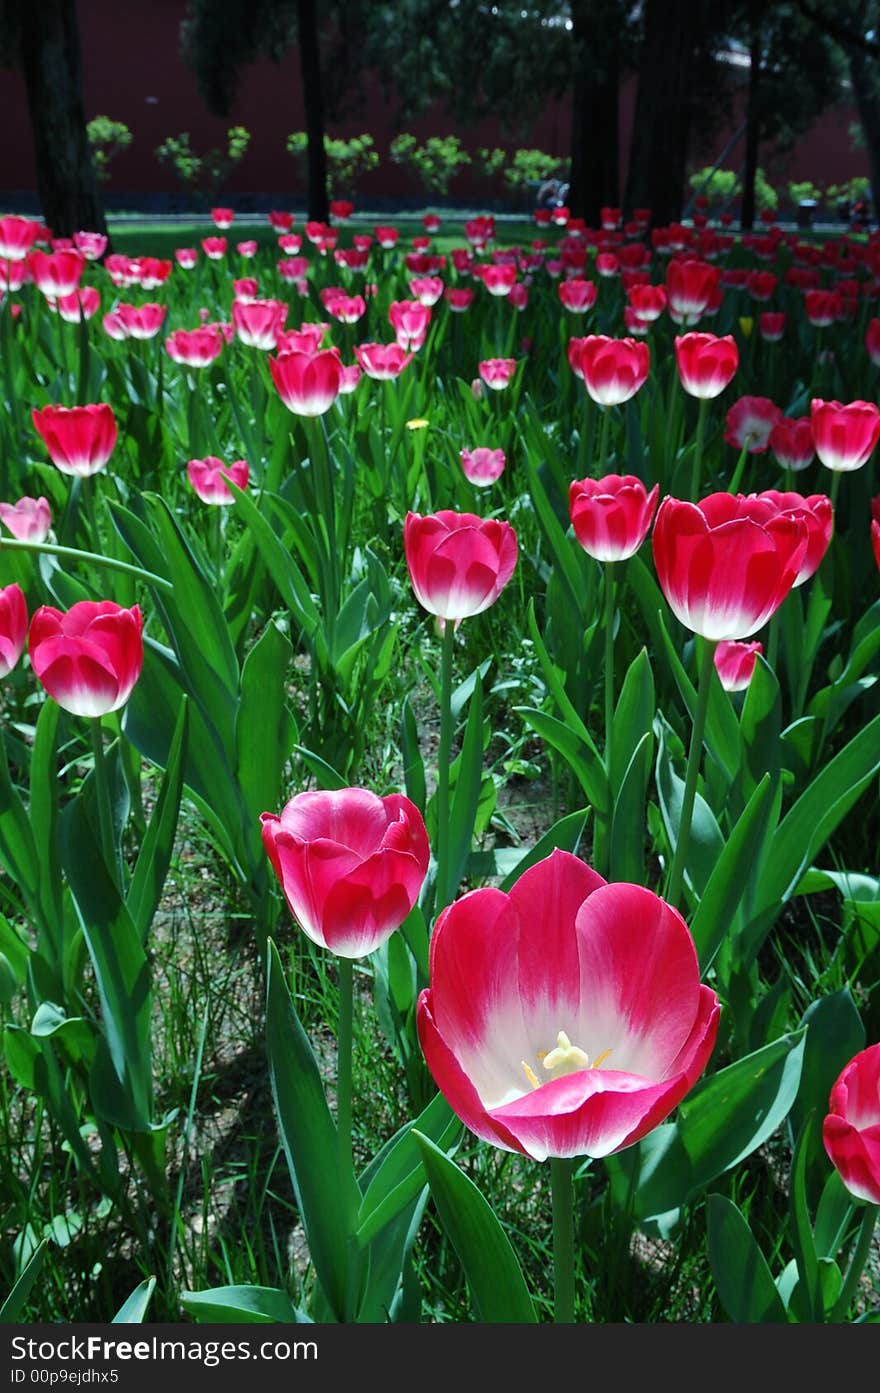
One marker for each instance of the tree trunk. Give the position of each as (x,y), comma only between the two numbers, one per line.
(595,180)
(866,89)
(310,69)
(661,127)
(753,129)
(52,69)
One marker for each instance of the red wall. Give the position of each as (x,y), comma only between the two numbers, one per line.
(133,72)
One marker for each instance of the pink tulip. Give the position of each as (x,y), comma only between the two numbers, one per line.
(706,364)
(349,377)
(56,273)
(845,435)
(817,514)
(482,466)
(84,303)
(382,361)
(875,528)
(791,441)
(223,217)
(851,1129)
(150,271)
(427,289)
(735,663)
(613,369)
(186,257)
(347,309)
(257,322)
(458,563)
(306,339)
(90,658)
(351,865)
(79,439)
(29,520)
(281,221)
(307,383)
(207,478)
(13,624)
(577,295)
(611,517)
(648,301)
(459,298)
(725,564)
(690,286)
(497,373)
(749,423)
(565,1018)
(142,321)
(247,249)
(214,247)
(409,319)
(17,236)
(498,280)
(196,348)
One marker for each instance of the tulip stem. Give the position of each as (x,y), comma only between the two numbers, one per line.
(111,563)
(604,841)
(857,1262)
(603,441)
(562,1192)
(343,1065)
(441,887)
(738,472)
(105,812)
(676,873)
(696,466)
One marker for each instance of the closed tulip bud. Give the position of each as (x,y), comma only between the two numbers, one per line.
(56,273)
(90,658)
(257,323)
(382,361)
(29,520)
(611,517)
(844,434)
(690,286)
(351,865)
(186,257)
(141,321)
(771,326)
(17,236)
(497,373)
(613,369)
(207,478)
(791,441)
(79,439)
(851,1128)
(578,295)
(307,383)
(458,563)
(223,217)
(409,319)
(214,248)
(13,625)
(482,466)
(92,244)
(735,663)
(706,364)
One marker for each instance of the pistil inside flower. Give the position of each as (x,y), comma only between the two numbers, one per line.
(564,1058)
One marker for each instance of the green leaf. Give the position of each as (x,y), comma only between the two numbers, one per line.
(17,849)
(721,737)
(242,1306)
(286,574)
(583,759)
(413,765)
(633,719)
(154,857)
(43,811)
(761,724)
(834,1034)
(730,877)
(628,819)
(134,1308)
(15,1303)
(742,1278)
(498,1289)
(261,731)
(396,1174)
(327,1195)
(565,834)
(706,843)
(801,1230)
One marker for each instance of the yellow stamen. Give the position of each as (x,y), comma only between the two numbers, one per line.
(531,1075)
(600,1059)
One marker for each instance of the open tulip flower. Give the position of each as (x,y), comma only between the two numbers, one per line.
(482,466)
(725,564)
(90,658)
(79,439)
(29,520)
(851,1129)
(567,1017)
(351,864)
(611,517)
(749,423)
(844,434)
(458,563)
(207,477)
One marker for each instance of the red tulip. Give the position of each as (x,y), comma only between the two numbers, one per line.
(845,435)
(223,217)
(648,301)
(725,564)
(872,341)
(428,289)
(458,299)
(79,439)
(458,563)
(149,272)
(341,209)
(141,321)
(29,520)
(431,222)
(186,257)
(611,517)
(207,476)
(382,361)
(690,285)
(81,304)
(706,364)
(791,441)
(349,377)
(56,273)
(497,373)
(257,322)
(409,319)
(307,383)
(387,237)
(90,658)
(634,326)
(817,514)
(613,369)
(351,865)
(565,1018)
(17,236)
(771,326)
(92,244)
(13,275)
(735,663)
(498,280)
(214,247)
(478,231)
(197,348)
(851,1129)
(749,422)
(822,307)
(13,624)
(578,295)
(282,222)
(483,466)
(306,339)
